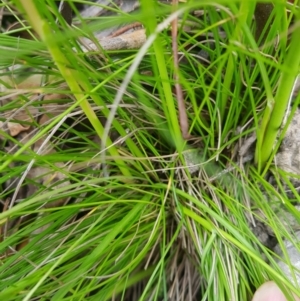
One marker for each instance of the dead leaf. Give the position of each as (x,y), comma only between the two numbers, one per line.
(16,128)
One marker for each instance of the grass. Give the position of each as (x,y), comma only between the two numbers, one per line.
(97,200)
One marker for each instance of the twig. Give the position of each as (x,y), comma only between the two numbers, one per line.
(135,25)
(183,119)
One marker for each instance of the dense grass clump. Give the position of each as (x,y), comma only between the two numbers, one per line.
(134,174)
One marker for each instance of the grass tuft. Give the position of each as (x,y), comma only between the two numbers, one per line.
(102,198)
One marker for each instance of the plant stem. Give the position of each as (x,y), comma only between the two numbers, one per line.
(275,109)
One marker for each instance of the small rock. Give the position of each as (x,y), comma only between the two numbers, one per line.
(294,258)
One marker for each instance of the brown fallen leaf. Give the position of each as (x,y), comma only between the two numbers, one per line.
(16,128)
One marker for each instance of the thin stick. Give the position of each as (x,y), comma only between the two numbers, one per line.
(183,119)
(126,28)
